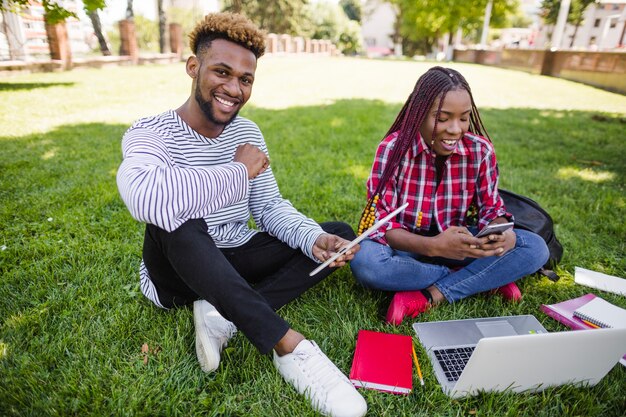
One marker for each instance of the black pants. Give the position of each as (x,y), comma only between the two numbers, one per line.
(246,284)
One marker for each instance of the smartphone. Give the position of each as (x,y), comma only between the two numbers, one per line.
(495,229)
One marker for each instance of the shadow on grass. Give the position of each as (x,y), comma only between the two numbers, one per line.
(31,86)
(69,305)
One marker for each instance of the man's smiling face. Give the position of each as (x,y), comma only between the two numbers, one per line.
(224,77)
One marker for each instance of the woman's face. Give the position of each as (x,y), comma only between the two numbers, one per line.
(452,123)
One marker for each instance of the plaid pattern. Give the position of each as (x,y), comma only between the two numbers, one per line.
(470,176)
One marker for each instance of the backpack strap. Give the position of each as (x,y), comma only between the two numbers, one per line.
(553,276)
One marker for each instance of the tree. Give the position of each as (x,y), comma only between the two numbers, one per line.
(519,20)
(130,14)
(352,9)
(147,33)
(577,11)
(55,13)
(550,13)
(328,21)
(277,16)
(162,22)
(97,29)
(318,20)
(91,8)
(234,6)
(422,22)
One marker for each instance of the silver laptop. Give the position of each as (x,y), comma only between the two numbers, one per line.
(516,353)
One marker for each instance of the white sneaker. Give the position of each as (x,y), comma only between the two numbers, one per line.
(212,334)
(315,376)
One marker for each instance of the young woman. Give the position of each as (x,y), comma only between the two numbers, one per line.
(437,156)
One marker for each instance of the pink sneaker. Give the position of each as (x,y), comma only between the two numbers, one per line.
(509,292)
(406,303)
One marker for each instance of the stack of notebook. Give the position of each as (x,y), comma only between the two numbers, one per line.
(587,312)
(601,313)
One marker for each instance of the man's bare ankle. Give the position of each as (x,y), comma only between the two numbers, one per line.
(288,342)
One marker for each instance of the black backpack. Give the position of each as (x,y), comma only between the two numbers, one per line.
(530,216)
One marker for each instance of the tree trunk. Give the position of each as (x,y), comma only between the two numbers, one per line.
(162,22)
(571,42)
(15,38)
(97,29)
(130,15)
(549,33)
(236,6)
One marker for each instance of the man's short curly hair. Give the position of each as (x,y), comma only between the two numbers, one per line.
(231,27)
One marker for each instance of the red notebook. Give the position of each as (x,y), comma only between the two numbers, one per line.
(382,361)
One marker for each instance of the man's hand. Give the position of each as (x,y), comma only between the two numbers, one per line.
(253,158)
(327,245)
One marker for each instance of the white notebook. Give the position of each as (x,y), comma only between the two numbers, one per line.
(602,313)
(600,281)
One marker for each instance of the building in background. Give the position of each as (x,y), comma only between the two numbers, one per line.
(4,43)
(23,35)
(603,28)
(377,24)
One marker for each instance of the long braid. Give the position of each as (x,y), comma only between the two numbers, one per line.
(476,123)
(434,84)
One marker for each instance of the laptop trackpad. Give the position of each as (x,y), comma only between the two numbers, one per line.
(496,328)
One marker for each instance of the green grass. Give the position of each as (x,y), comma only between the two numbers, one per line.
(72,319)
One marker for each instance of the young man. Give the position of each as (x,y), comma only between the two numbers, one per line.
(195,175)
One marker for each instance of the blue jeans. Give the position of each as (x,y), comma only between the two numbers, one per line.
(380,267)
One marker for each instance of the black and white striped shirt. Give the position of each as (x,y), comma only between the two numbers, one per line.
(171,173)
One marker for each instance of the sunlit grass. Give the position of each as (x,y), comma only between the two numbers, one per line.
(123,94)
(283,82)
(72,319)
(586,174)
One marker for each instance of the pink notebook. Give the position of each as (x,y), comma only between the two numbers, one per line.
(564,311)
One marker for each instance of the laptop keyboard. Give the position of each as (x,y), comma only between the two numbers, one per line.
(453,360)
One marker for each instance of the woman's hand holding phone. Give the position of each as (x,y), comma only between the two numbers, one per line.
(499,237)
(495,229)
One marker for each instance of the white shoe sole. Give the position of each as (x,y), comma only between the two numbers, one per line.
(208,358)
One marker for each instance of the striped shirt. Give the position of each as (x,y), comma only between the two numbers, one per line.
(171,174)
(470,175)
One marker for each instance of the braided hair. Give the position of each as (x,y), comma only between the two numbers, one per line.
(432,85)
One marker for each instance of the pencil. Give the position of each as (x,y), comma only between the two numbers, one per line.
(417,364)
(595,326)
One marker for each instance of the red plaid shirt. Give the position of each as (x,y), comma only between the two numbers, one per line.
(470,176)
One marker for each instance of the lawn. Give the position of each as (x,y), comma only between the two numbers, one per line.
(72,318)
